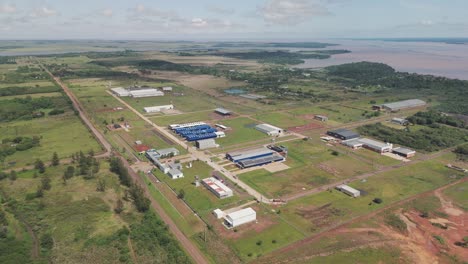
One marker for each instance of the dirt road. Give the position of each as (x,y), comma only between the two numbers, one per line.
(189,247)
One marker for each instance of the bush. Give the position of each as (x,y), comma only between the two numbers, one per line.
(259,243)
(395,222)
(377,200)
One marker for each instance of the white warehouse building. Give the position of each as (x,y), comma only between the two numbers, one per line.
(348,190)
(119,91)
(149,92)
(206,144)
(269,129)
(240,217)
(154,109)
(217,187)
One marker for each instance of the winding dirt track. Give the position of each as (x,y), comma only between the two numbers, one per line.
(189,247)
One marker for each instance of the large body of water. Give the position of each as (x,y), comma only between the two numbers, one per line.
(436,58)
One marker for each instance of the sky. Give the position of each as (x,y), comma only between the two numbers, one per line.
(234,19)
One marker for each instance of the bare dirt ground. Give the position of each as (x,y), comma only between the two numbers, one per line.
(306,127)
(276,166)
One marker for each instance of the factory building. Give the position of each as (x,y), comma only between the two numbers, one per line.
(149,92)
(175,126)
(254,157)
(404,152)
(240,217)
(173,170)
(120,91)
(175,173)
(222,111)
(400,105)
(376,146)
(269,129)
(348,190)
(400,121)
(196,131)
(352,143)
(155,109)
(218,213)
(343,134)
(217,187)
(206,144)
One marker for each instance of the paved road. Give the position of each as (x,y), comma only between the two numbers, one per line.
(200,155)
(189,247)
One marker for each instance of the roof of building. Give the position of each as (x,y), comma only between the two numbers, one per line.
(347,188)
(373,143)
(157,108)
(268,128)
(352,142)
(222,111)
(404,104)
(119,90)
(167,151)
(241,213)
(399,119)
(149,91)
(344,132)
(217,186)
(174,172)
(245,154)
(260,161)
(404,150)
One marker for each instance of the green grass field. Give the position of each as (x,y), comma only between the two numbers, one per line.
(389,186)
(281,119)
(459,195)
(63,134)
(311,165)
(337,113)
(242,131)
(165,120)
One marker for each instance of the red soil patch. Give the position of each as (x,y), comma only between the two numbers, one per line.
(141,148)
(306,127)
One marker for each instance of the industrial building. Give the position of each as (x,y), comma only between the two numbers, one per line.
(269,129)
(196,131)
(352,143)
(240,217)
(254,157)
(400,105)
(167,89)
(404,152)
(218,213)
(400,121)
(148,92)
(155,109)
(173,170)
(343,134)
(167,152)
(375,145)
(348,190)
(321,118)
(206,144)
(217,187)
(120,91)
(222,111)
(175,173)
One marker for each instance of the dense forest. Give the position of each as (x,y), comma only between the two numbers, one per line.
(433,138)
(432,117)
(280,57)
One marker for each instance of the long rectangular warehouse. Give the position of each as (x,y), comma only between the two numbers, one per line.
(237,156)
(217,187)
(348,190)
(150,92)
(159,108)
(395,106)
(240,217)
(260,161)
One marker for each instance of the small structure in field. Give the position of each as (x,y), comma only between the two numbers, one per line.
(217,187)
(218,213)
(400,121)
(269,129)
(240,217)
(223,111)
(404,152)
(321,118)
(159,108)
(348,190)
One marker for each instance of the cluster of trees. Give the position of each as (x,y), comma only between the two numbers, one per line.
(281,57)
(241,44)
(152,238)
(9,146)
(452,93)
(8,91)
(135,192)
(87,165)
(28,108)
(432,138)
(462,152)
(432,117)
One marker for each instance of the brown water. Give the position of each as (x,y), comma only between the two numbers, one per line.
(449,60)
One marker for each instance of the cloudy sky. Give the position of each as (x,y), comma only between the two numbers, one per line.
(235,19)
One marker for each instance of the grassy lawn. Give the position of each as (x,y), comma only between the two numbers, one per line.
(38,95)
(337,113)
(199,198)
(243,130)
(390,186)
(458,194)
(281,119)
(311,165)
(62,134)
(165,120)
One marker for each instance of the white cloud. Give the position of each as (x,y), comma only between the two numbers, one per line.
(43,12)
(199,22)
(291,12)
(107,12)
(7,9)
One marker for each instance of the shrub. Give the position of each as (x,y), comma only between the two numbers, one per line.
(259,243)
(377,200)
(395,222)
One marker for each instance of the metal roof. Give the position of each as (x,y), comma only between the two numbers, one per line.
(245,154)
(348,189)
(242,213)
(167,151)
(373,143)
(404,104)
(222,111)
(268,128)
(344,132)
(404,150)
